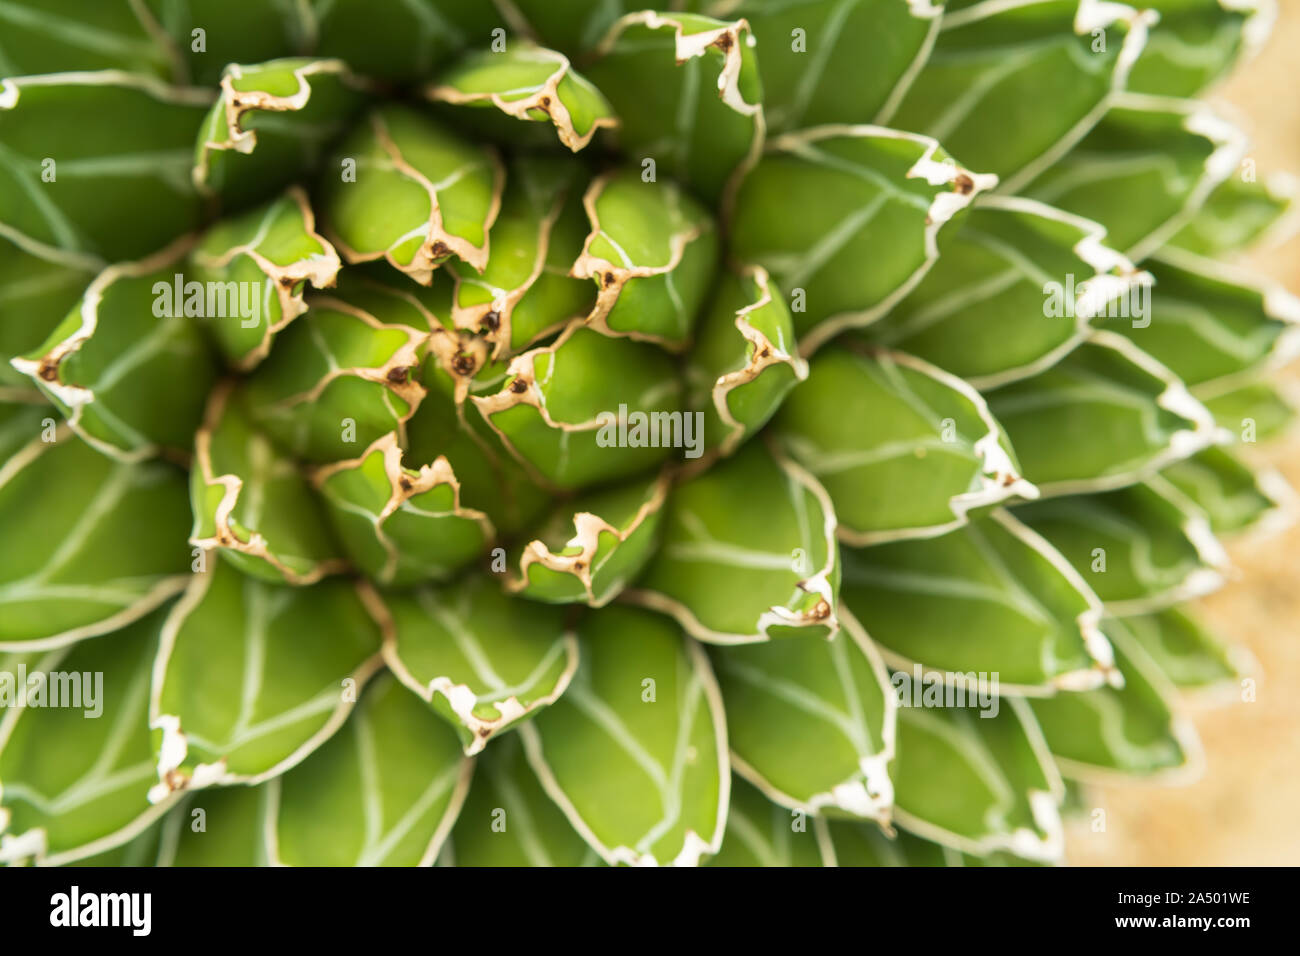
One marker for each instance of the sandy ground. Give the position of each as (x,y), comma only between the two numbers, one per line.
(1245,809)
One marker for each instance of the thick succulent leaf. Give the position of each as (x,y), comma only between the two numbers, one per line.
(525,292)
(744,361)
(409,40)
(275,247)
(1219,31)
(991,598)
(75,763)
(651,251)
(508,820)
(582,409)
(979,781)
(687,93)
(129,372)
(1231,495)
(490,481)
(252,503)
(230,32)
(1137,547)
(35,296)
(253,677)
(482,659)
(1120,730)
(1248,411)
(749,553)
(574,26)
(822,202)
(903,449)
(440,194)
(1209,321)
(847,62)
(525,82)
(91,544)
(1145,170)
(218,826)
(269,124)
(401,525)
(1241,213)
(593,546)
(341,379)
(1182,648)
(383,791)
(1015,290)
(1105,416)
(1010,87)
(635,752)
(811,723)
(141,850)
(44,37)
(116,145)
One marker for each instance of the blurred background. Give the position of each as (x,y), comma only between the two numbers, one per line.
(1245,809)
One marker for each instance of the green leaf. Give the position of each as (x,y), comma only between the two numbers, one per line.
(1124,730)
(1210,321)
(1105,416)
(580,410)
(979,781)
(94,543)
(115,144)
(231,32)
(593,547)
(401,525)
(574,26)
(273,247)
(252,503)
(991,598)
(1010,87)
(822,202)
(508,820)
(1145,170)
(1138,547)
(129,370)
(269,124)
(1014,291)
(75,763)
(341,379)
(525,82)
(902,448)
(35,295)
(1230,494)
(749,553)
(1248,411)
(811,723)
(744,361)
(651,253)
(218,826)
(482,659)
(252,677)
(406,42)
(1183,648)
(1218,30)
(439,194)
(849,62)
(383,791)
(525,292)
(1239,214)
(41,37)
(687,93)
(635,752)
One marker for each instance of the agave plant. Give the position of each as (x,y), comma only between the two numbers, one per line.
(539,432)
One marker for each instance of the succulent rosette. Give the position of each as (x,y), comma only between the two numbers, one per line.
(767,432)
